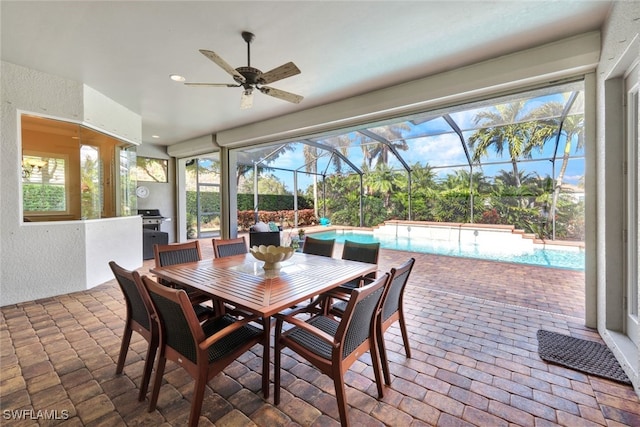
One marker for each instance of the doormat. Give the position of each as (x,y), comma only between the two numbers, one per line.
(581,355)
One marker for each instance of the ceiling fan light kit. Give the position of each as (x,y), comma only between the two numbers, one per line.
(250,78)
(246,99)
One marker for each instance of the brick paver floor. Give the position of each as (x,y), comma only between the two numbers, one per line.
(472,328)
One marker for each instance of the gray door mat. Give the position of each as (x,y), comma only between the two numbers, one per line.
(581,355)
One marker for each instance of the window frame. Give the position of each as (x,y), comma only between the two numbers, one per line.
(67,191)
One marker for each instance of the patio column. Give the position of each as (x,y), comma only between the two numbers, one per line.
(228,194)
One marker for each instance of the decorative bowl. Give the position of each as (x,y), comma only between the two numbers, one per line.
(271,255)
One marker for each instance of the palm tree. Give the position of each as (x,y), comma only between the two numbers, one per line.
(381,180)
(511,128)
(380,151)
(342,143)
(310,153)
(572,126)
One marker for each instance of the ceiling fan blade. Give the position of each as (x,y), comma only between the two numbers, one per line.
(211,84)
(281,94)
(223,64)
(282,72)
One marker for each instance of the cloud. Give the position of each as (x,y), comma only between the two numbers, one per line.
(440,150)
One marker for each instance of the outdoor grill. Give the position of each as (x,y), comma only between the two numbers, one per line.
(151,218)
(151,234)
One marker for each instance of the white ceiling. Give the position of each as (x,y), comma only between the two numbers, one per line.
(127,50)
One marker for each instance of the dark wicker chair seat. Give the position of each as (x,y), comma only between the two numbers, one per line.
(313,342)
(227,344)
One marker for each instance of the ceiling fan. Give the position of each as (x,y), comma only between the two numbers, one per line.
(251,78)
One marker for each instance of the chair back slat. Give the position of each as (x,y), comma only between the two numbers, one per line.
(322,247)
(399,276)
(359,314)
(229,247)
(363,252)
(178,257)
(177,253)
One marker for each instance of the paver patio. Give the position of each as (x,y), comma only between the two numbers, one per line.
(472,327)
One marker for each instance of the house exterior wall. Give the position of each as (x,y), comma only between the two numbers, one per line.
(620,49)
(38,260)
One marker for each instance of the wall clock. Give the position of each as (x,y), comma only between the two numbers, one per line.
(142,192)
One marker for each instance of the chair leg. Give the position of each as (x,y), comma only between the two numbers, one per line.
(375,358)
(277,363)
(124,347)
(382,350)
(196,402)
(157,382)
(341,398)
(405,336)
(148,367)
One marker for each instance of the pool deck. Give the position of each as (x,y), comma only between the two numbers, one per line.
(472,328)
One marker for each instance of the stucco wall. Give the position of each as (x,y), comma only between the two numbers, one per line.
(620,48)
(39,260)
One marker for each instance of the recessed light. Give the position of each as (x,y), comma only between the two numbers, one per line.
(155,136)
(177,78)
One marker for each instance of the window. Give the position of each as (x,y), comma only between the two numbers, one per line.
(151,170)
(73,172)
(44,183)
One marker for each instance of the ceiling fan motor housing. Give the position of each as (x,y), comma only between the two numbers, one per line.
(251,76)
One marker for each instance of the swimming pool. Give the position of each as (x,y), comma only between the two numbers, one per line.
(556,258)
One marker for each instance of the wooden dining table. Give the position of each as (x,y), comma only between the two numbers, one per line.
(241,281)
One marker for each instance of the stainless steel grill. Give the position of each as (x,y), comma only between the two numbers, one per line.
(151,218)
(151,234)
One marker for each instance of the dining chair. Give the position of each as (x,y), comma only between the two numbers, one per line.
(353,251)
(322,247)
(180,253)
(363,252)
(203,350)
(223,248)
(229,247)
(392,310)
(140,318)
(333,345)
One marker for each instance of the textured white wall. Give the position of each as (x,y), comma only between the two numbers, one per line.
(620,48)
(39,260)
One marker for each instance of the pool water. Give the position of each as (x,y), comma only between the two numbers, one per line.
(556,258)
